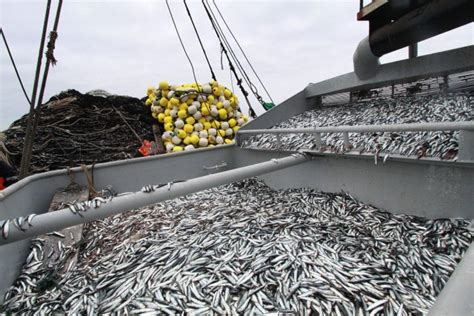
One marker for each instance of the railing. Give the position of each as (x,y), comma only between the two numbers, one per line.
(82,212)
(346,129)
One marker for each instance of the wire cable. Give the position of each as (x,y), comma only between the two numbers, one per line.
(182,44)
(243,53)
(199,91)
(231,66)
(200,42)
(240,68)
(14,66)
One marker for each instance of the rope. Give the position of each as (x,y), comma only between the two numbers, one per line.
(200,42)
(236,60)
(243,53)
(90,182)
(126,123)
(51,45)
(14,66)
(231,66)
(199,91)
(182,45)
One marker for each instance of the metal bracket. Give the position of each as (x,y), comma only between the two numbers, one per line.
(278,139)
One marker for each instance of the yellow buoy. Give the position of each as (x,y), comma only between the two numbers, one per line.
(164,102)
(182,114)
(216,91)
(190,120)
(174,101)
(181,133)
(232,122)
(150,90)
(161,117)
(163,85)
(177,148)
(222,114)
(183,106)
(187,140)
(188,128)
(194,139)
(205,109)
(168,119)
(168,126)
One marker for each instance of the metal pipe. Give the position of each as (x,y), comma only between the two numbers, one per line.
(29,123)
(429,20)
(29,147)
(63,218)
(411,127)
(413,50)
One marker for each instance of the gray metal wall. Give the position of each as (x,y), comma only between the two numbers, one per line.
(411,186)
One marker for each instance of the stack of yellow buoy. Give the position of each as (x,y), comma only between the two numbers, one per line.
(195,115)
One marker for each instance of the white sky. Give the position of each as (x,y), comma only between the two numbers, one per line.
(125,46)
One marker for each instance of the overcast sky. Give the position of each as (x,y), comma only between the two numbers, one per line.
(125,46)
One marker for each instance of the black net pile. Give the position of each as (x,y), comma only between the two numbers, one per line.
(77,129)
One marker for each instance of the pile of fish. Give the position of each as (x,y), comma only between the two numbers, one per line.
(244,248)
(408,109)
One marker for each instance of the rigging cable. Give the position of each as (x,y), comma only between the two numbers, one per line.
(14,66)
(231,66)
(182,44)
(229,48)
(243,53)
(199,91)
(200,42)
(236,60)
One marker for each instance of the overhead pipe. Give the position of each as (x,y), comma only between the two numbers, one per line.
(431,19)
(60,219)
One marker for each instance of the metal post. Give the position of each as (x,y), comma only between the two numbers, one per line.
(317,137)
(50,59)
(347,143)
(29,125)
(278,138)
(413,50)
(63,218)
